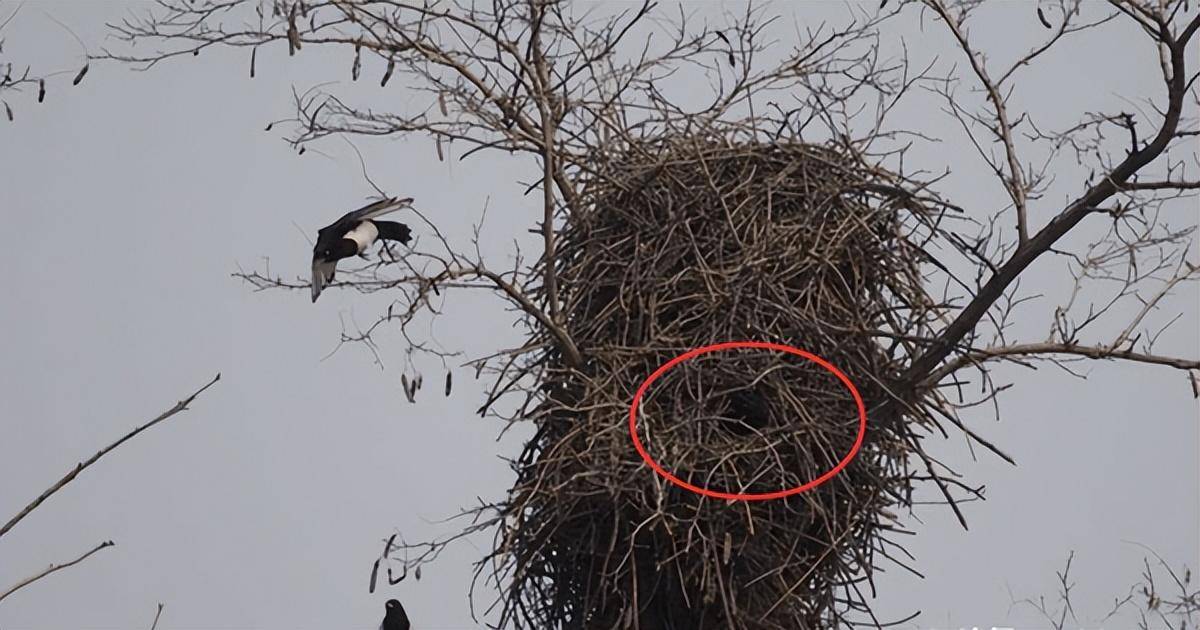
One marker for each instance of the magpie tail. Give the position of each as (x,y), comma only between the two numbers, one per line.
(393,231)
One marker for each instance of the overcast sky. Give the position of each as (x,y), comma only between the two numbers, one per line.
(129,200)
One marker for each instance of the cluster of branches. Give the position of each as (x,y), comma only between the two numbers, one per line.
(535,79)
(540,79)
(1134,184)
(15,77)
(70,476)
(1169,602)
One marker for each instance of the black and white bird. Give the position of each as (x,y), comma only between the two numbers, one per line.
(395,618)
(351,235)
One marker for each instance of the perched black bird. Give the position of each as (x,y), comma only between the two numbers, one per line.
(351,235)
(395,618)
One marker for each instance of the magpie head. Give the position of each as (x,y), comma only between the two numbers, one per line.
(395,619)
(343,248)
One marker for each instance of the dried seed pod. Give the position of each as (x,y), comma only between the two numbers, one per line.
(409,391)
(387,74)
(41,90)
(357,63)
(8,110)
(1042,18)
(293,34)
(437,142)
(442,103)
(253,56)
(79,76)
(449,382)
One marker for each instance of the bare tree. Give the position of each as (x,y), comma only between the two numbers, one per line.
(578,91)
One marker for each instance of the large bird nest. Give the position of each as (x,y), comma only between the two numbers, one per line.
(693,241)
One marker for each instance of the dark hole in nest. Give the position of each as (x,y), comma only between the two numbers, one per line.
(748,421)
(747,411)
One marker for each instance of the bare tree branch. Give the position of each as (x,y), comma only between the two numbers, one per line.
(1015,181)
(54,567)
(1073,214)
(1044,349)
(180,406)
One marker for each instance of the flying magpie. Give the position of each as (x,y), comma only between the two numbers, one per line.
(395,618)
(351,235)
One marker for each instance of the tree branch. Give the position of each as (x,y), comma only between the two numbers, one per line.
(1096,195)
(52,568)
(1015,183)
(179,406)
(1165,185)
(544,106)
(565,343)
(1091,352)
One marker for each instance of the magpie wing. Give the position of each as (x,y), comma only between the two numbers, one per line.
(376,209)
(322,275)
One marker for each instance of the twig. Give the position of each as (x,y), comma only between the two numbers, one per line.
(179,406)
(52,568)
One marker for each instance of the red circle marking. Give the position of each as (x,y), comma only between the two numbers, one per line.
(761,345)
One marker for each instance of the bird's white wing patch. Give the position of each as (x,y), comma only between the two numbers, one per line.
(364,235)
(322,275)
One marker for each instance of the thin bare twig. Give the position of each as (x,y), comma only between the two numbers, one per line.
(180,406)
(54,567)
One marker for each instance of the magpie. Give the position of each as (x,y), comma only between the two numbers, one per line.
(351,235)
(395,618)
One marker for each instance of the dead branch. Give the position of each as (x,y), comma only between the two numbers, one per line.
(70,476)
(54,567)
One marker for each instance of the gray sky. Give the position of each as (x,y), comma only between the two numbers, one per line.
(130,199)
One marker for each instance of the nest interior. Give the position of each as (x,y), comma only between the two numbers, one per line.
(688,242)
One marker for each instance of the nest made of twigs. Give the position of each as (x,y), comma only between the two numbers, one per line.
(687,242)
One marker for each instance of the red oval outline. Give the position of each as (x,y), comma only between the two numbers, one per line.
(761,345)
